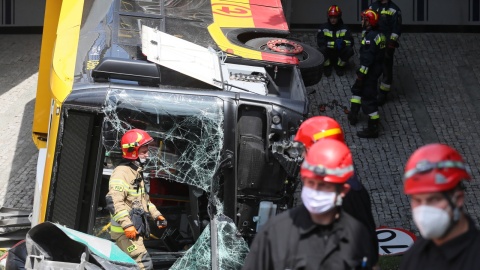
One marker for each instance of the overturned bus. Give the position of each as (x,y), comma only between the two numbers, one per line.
(222,119)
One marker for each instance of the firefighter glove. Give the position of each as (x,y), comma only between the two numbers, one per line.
(161,222)
(131,232)
(339,44)
(392,44)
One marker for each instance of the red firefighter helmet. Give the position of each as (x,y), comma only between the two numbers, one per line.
(328,160)
(434,168)
(316,128)
(334,11)
(132,140)
(371,16)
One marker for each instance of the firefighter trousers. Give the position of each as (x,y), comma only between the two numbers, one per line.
(368,91)
(332,55)
(388,66)
(134,248)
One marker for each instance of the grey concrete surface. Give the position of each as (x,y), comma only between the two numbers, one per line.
(434,98)
(19,59)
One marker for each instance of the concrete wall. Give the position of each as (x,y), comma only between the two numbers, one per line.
(299,12)
(415,12)
(22,13)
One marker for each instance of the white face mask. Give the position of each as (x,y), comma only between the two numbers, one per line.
(432,222)
(142,160)
(318,202)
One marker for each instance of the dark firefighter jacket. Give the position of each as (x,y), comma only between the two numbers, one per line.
(126,188)
(291,240)
(390,22)
(357,203)
(371,50)
(462,252)
(328,34)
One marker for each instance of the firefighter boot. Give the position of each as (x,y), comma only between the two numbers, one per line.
(340,67)
(327,70)
(340,71)
(371,131)
(353,114)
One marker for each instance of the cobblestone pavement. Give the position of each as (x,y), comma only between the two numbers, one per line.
(436,87)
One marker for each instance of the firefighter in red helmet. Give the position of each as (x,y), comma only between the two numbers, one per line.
(316,234)
(364,90)
(357,201)
(335,42)
(127,201)
(433,178)
(390,24)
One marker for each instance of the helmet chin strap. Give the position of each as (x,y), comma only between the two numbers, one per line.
(455,214)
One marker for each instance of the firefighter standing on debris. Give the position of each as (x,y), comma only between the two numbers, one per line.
(335,42)
(128,202)
(316,234)
(390,24)
(357,201)
(364,90)
(433,178)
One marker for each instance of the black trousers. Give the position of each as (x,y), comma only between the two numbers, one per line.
(388,66)
(333,54)
(368,91)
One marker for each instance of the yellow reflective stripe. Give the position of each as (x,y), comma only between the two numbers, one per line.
(120,215)
(363,41)
(327,33)
(384,87)
(356,100)
(341,63)
(390,11)
(363,69)
(133,192)
(118,182)
(374,115)
(331,44)
(116,229)
(326,63)
(394,36)
(347,42)
(341,33)
(326,133)
(379,38)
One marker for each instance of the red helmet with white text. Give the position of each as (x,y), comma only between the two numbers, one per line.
(132,140)
(316,128)
(434,168)
(334,11)
(328,160)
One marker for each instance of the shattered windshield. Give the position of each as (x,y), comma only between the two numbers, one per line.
(187,132)
(188,141)
(231,248)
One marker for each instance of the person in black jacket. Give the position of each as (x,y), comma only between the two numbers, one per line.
(364,90)
(316,234)
(335,42)
(357,201)
(390,24)
(433,178)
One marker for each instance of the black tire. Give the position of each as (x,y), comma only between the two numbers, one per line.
(310,60)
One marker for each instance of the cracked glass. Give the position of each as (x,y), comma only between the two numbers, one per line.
(231,248)
(187,132)
(187,149)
